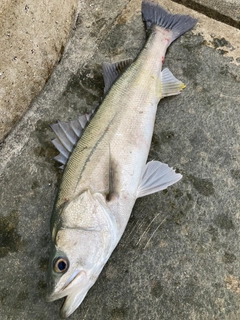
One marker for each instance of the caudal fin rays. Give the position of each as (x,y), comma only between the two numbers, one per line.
(154,14)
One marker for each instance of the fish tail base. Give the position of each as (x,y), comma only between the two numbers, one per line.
(154,14)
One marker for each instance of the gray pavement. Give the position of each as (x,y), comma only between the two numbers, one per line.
(226,11)
(179,257)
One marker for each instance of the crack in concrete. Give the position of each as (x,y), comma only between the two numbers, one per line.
(209,12)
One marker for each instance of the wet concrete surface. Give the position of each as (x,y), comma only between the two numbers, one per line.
(179,256)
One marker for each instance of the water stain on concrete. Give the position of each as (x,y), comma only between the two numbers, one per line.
(87,83)
(155,147)
(156,288)
(203,186)
(118,313)
(224,222)
(199,138)
(42,130)
(4,294)
(98,24)
(45,149)
(42,285)
(228,257)
(213,232)
(44,241)
(235,174)
(193,66)
(166,136)
(35,185)
(179,217)
(178,193)
(155,141)
(190,292)
(221,43)
(20,299)
(45,152)
(9,237)
(43,263)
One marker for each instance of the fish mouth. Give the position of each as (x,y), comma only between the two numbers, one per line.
(73,292)
(74,282)
(77,293)
(72,302)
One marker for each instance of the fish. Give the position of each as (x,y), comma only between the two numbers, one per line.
(104,156)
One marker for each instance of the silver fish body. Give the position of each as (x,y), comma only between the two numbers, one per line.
(107,169)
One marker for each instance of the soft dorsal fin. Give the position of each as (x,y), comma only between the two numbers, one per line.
(156,176)
(111,72)
(68,134)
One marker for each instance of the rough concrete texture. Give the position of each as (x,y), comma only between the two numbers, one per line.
(33,35)
(179,257)
(226,11)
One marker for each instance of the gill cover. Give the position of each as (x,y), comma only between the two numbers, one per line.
(81,245)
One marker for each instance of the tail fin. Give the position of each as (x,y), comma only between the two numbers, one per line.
(153,14)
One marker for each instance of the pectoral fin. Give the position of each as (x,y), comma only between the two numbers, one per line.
(112,177)
(156,176)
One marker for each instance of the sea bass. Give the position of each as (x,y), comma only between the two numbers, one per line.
(107,171)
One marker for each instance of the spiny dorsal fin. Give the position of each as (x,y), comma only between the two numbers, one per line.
(68,134)
(111,71)
(156,176)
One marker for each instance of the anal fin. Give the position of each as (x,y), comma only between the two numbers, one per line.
(157,176)
(170,85)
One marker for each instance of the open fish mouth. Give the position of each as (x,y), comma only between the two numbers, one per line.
(73,292)
(52,297)
(73,300)
(75,282)
(62,305)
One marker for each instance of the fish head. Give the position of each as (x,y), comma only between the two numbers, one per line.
(82,243)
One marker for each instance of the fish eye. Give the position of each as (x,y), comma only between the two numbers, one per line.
(60,265)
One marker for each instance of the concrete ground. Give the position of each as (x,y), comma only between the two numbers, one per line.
(33,35)
(179,257)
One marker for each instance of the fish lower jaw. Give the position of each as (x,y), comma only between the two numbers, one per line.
(54,297)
